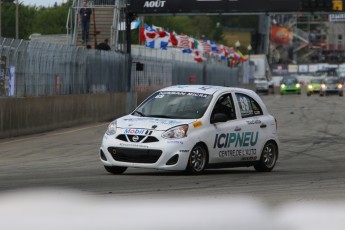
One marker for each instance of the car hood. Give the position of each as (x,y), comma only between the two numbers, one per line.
(134,122)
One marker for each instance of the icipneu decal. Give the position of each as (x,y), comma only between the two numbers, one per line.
(236,140)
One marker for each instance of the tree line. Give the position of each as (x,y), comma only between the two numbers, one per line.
(33,19)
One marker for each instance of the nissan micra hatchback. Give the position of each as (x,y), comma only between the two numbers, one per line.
(192,128)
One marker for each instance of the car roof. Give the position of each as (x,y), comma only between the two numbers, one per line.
(204,89)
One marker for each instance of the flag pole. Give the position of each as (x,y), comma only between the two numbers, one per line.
(17,19)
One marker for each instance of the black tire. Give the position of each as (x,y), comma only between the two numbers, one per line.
(198,159)
(341,94)
(268,158)
(308,94)
(115,169)
(272,90)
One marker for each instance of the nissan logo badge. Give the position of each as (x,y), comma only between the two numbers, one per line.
(135,138)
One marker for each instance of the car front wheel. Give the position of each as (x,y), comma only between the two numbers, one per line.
(268,158)
(197,160)
(115,169)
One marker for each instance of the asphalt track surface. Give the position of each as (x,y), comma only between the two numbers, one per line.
(311,165)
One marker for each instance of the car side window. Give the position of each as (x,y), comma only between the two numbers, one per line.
(225,105)
(248,106)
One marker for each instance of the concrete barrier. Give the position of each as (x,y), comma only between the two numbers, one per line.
(21,116)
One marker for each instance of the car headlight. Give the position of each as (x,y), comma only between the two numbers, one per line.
(340,86)
(298,85)
(282,86)
(176,132)
(310,87)
(111,128)
(323,86)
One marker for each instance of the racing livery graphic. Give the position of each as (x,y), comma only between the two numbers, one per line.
(193,128)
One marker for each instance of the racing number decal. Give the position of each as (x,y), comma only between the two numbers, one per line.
(244,104)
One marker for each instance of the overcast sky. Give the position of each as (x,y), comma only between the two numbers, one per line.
(45,3)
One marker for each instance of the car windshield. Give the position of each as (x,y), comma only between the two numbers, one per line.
(316,81)
(326,73)
(178,105)
(289,81)
(332,81)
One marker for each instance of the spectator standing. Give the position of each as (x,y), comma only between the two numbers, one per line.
(104,45)
(84,20)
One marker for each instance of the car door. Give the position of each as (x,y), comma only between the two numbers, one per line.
(221,134)
(252,128)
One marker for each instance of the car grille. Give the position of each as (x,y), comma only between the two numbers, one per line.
(137,138)
(261,85)
(148,156)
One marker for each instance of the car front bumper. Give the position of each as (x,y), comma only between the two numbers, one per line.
(164,154)
(290,90)
(331,91)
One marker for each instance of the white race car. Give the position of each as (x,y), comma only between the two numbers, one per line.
(193,127)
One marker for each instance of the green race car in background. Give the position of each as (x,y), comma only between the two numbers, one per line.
(314,86)
(290,85)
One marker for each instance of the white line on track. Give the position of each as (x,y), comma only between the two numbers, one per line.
(51,134)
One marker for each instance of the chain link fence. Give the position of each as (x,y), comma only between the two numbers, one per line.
(44,69)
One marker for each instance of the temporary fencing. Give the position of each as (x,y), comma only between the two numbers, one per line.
(30,68)
(54,69)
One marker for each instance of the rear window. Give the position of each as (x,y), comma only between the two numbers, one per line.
(248,106)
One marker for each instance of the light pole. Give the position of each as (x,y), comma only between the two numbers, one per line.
(0,17)
(249,49)
(17,19)
(237,45)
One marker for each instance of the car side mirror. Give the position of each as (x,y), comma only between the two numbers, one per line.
(219,117)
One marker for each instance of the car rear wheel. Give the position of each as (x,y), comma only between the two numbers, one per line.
(197,160)
(115,169)
(268,158)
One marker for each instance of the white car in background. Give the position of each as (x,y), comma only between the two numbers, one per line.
(193,127)
(262,85)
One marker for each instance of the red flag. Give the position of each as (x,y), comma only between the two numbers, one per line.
(161,34)
(173,39)
(142,37)
(197,57)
